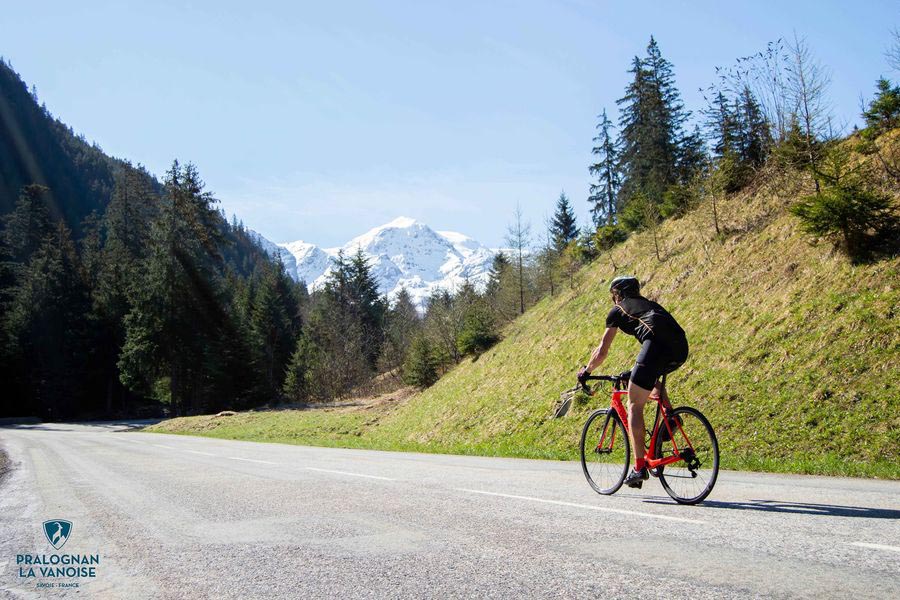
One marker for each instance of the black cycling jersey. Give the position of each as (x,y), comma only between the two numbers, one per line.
(645,320)
(664,345)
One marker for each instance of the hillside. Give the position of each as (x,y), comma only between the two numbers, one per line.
(794,354)
(37,148)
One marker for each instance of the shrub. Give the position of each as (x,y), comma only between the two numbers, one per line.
(478,332)
(420,368)
(857,220)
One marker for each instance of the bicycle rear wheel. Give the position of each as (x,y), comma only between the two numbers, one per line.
(691,479)
(605,453)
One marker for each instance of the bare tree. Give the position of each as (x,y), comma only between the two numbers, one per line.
(518,236)
(807,86)
(893,52)
(764,74)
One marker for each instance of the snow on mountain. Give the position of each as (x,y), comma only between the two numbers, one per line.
(403,254)
(273,250)
(310,261)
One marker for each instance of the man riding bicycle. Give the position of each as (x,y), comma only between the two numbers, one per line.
(664,348)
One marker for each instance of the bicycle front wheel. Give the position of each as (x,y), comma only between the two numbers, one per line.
(605,453)
(691,479)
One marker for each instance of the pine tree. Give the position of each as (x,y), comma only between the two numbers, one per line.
(883,112)
(175,327)
(755,132)
(603,193)
(563,228)
(28,225)
(272,326)
(49,319)
(298,384)
(402,324)
(479,331)
(691,156)
(421,366)
(368,307)
(651,120)
(501,291)
(723,126)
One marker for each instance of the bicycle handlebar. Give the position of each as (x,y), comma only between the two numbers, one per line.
(612,378)
(615,379)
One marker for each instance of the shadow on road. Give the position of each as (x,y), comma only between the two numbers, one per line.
(801,508)
(113,426)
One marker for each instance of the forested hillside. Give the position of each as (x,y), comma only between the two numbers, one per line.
(117,292)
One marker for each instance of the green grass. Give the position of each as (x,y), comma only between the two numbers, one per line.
(795,356)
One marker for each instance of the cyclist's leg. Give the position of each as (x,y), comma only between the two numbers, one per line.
(643,380)
(637,399)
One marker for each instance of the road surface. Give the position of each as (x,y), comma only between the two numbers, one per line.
(188,517)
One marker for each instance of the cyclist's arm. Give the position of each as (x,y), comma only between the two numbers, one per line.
(602,350)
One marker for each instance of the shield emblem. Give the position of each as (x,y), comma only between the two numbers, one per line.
(57,532)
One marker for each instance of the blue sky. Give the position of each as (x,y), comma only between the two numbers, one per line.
(319,120)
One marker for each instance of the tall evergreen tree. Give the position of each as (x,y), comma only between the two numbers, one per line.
(402,324)
(49,320)
(603,193)
(563,227)
(368,306)
(651,120)
(754,131)
(723,126)
(175,327)
(272,321)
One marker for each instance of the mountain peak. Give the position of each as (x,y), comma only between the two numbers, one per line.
(400,223)
(403,253)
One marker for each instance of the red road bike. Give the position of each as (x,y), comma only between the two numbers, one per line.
(681,447)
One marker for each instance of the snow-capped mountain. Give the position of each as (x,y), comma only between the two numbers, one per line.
(403,254)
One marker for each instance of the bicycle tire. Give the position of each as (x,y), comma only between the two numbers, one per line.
(605,475)
(703,439)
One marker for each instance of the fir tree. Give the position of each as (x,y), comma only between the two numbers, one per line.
(651,119)
(606,170)
(755,132)
(49,319)
(402,324)
(421,367)
(175,325)
(563,228)
(723,126)
(883,112)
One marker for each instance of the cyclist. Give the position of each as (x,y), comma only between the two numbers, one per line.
(664,348)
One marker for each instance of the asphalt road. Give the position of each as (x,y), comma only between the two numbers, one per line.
(186,517)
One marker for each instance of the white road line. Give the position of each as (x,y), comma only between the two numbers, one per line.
(203,453)
(164,446)
(265,462)
(876,546)
(350,474)
(587,506)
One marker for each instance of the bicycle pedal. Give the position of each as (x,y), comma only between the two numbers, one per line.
(654,473)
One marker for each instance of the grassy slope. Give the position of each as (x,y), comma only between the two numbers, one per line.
(794,355)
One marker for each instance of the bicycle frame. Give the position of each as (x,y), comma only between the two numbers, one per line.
(663,408)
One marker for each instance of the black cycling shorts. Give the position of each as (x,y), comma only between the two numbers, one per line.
(658,358)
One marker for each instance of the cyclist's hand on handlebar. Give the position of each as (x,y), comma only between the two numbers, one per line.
(625,376)
(583,374)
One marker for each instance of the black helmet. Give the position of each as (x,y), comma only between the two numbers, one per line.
(626,286)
